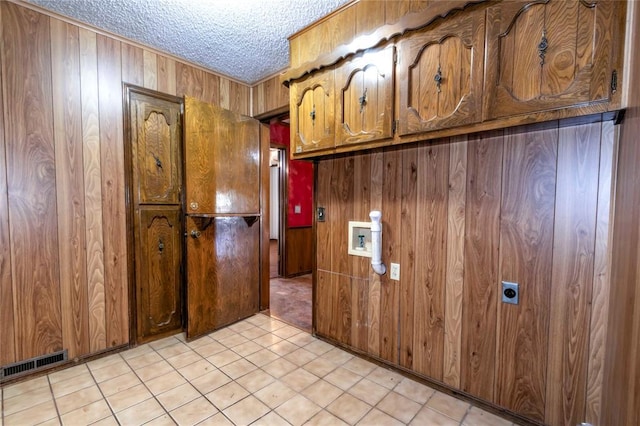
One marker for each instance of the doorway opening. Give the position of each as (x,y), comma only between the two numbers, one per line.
(291,231)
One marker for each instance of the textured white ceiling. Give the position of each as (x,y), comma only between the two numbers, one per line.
(243,39)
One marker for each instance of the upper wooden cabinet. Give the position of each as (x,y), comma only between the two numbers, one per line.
(312,112)
(544,55)
(364,85)
(460,67)
(440,75)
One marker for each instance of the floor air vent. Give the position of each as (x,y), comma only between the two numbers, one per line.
(32,364)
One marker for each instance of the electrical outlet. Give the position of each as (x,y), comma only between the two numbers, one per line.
(394,273)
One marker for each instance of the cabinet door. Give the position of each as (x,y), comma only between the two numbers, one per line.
(158,279)
(364,86)
(156,132)
(440,75)
(312,112)
(544,55)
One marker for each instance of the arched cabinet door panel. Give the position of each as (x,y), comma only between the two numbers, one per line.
(440,72)
(312,112)
(364,86)
(549,54)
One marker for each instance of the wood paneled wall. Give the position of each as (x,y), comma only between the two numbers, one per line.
(356,18)
(621,370)
(63,258)
(270,96)
(527,205)
(299,249)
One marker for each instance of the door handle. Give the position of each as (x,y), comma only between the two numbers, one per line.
(195,233)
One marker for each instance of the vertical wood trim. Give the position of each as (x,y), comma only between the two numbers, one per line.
(411,169)
(7,334)
(92,190)
(225,93)
(322,305)
(113,205)
(572,276)
(132,64)
(31,181)
(526,246)
(211,89)
(264,218)
(239,98)
(601,274)
(373,306)
(391,243)
(67,126)
(481,261)
(359,266)
(455,261)
(166,75)
(433,184)
(150,67)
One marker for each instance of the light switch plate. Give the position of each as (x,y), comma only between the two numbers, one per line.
(320,214)
(394,272)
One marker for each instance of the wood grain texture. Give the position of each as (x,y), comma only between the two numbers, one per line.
(132,62)
(7,333)
(410,255)
(222,159)
(481,263)
(621,375)
(239,98)
(31,186)
(67,126)
(375,281)
(269,95)
(454,286)
(113,208)
(581,54)
(391,242)
(166,75)
(299,251)
(572,277)
(158,235)
(431,243)
(601,274)
(92,190)
(526,248)
(150,70)
(265,138)
(189,81)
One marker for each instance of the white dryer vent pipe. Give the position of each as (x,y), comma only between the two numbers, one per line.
(376,242)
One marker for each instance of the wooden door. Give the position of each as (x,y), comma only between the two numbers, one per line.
(222,176)
(440,75)
(312,112)
(155,129)
(364,85)
(544,55)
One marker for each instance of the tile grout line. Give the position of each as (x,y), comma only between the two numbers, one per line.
(104,398)
(53,396)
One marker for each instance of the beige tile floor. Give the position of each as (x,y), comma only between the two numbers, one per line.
(259,371)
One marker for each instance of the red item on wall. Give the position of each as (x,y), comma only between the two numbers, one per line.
(300,185)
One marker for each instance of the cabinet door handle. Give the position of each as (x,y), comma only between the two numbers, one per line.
(195,234)
(542,47)
(362,100)
(312,114)
(158,162)
(438,78)
(160,246)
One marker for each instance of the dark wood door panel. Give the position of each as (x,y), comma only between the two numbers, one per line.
(158,270)
(222,160)
(222,271)
(156,133)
